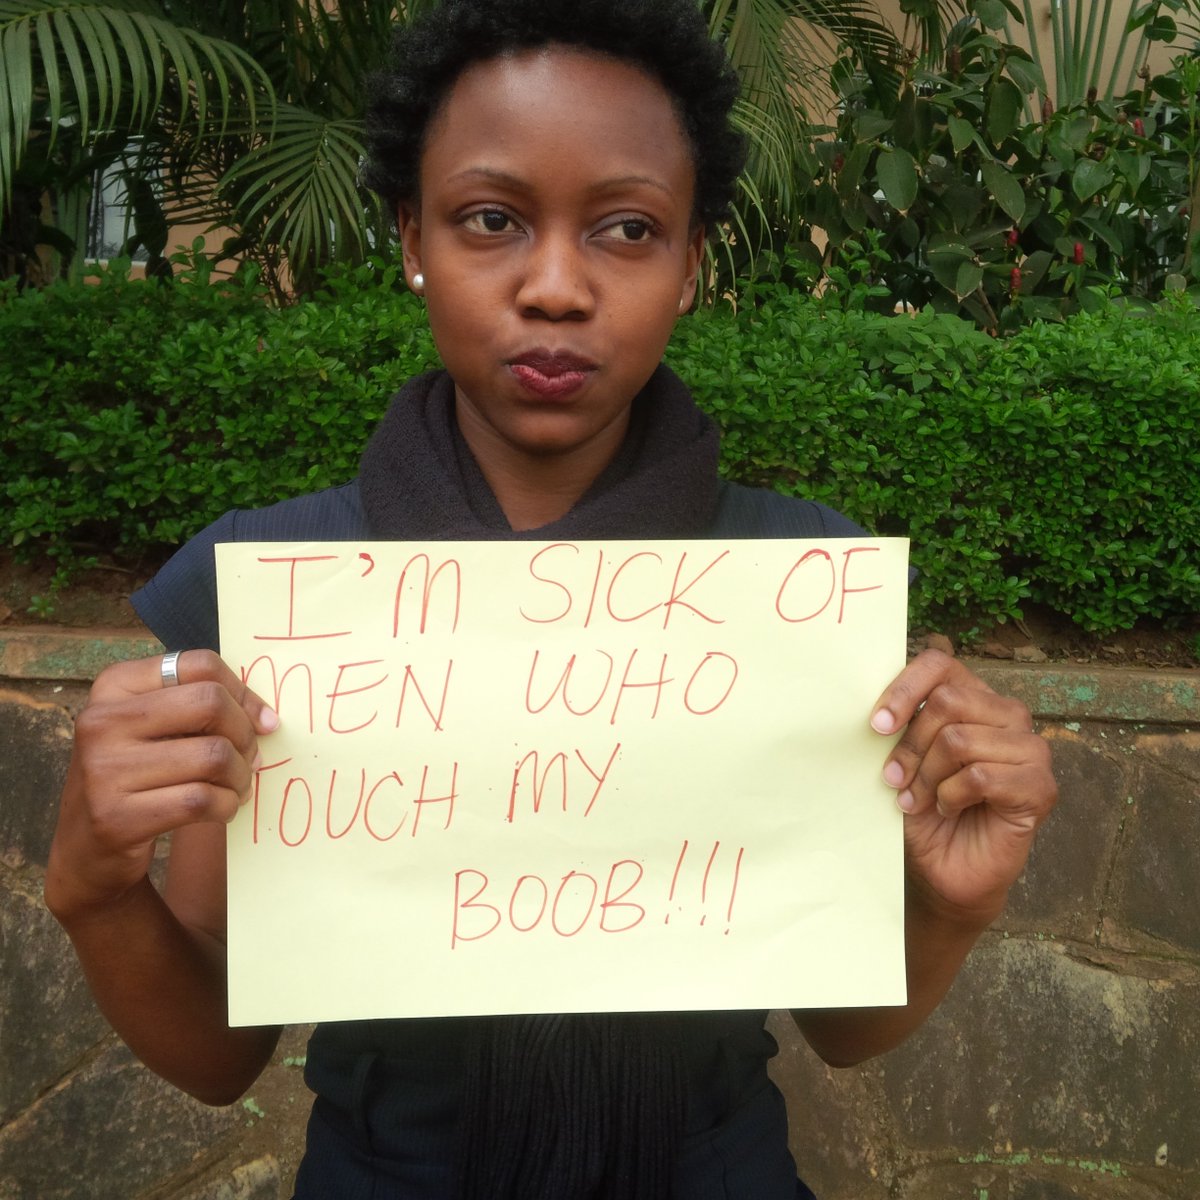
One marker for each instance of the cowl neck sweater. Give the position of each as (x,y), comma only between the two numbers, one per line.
(556,1107)
(419,480)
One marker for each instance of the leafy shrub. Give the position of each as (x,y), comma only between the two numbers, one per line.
(1058,465)
(135,413)
(980,197)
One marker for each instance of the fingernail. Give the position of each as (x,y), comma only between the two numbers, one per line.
(893,774)
(904,801)
(883,721)
(269,720)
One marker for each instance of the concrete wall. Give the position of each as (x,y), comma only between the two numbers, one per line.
(1064,1063)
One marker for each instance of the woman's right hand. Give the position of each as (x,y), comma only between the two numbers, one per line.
(149,759)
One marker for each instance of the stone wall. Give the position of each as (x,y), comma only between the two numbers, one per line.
(1064,1063)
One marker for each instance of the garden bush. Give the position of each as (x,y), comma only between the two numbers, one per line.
(975,194)
(135,412)
(1058,466)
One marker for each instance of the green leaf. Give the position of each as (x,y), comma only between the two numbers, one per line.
(945,270)
(852,170)
(1140,17)
(1100,229)
(926,117)
(1135,167)
(963,202)
(962,133)
(968,278)
(1161,29)
(1008,193)
(1090,177)
(949,244)
(897,171)
(992,13)
(871,125)
(1026,73)
(1078,132)
(906,119)
(1169,87)
(947,255)
(854,213)
(1004,110)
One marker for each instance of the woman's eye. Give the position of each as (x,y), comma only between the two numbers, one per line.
(632,230)
(489,220)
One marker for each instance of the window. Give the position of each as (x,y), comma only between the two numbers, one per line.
(110,216)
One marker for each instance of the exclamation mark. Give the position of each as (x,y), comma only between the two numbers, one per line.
(737,870)
(704,882)
(675,880)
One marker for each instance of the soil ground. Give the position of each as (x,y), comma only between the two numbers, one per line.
(100,598)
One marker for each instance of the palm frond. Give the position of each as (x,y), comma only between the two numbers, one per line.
(100,64)
(768,48)
(299,188)
(351,41)
(749,212)
(776,158)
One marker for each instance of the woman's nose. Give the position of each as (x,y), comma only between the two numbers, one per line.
(555,283)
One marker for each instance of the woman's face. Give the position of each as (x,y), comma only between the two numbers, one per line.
(555,237)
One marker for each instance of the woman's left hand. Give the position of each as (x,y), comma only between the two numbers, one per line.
(972,778)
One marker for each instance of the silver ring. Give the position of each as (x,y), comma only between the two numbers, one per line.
(170,669)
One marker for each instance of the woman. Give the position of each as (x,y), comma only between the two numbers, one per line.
(553,169)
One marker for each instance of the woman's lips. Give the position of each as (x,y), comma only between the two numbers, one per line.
(551,375)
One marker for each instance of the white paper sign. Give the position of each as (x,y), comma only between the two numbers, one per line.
(565,777)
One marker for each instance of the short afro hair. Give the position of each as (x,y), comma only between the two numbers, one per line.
(666,38)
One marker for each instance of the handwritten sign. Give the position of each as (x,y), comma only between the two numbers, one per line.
(564,777)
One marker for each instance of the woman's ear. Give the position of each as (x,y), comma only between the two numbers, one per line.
(695,256)
(408,222)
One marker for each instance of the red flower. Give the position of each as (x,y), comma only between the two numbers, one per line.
(1014,281)
(1138,127)
(839,161)
(1079,254)
(1012,237)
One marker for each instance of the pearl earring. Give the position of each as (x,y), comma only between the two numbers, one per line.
(418,282)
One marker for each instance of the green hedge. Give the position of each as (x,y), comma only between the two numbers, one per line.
(1060,465)
(134,412)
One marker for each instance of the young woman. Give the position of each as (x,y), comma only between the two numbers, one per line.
(553,169)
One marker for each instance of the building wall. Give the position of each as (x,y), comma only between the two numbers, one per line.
(1064,1063)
